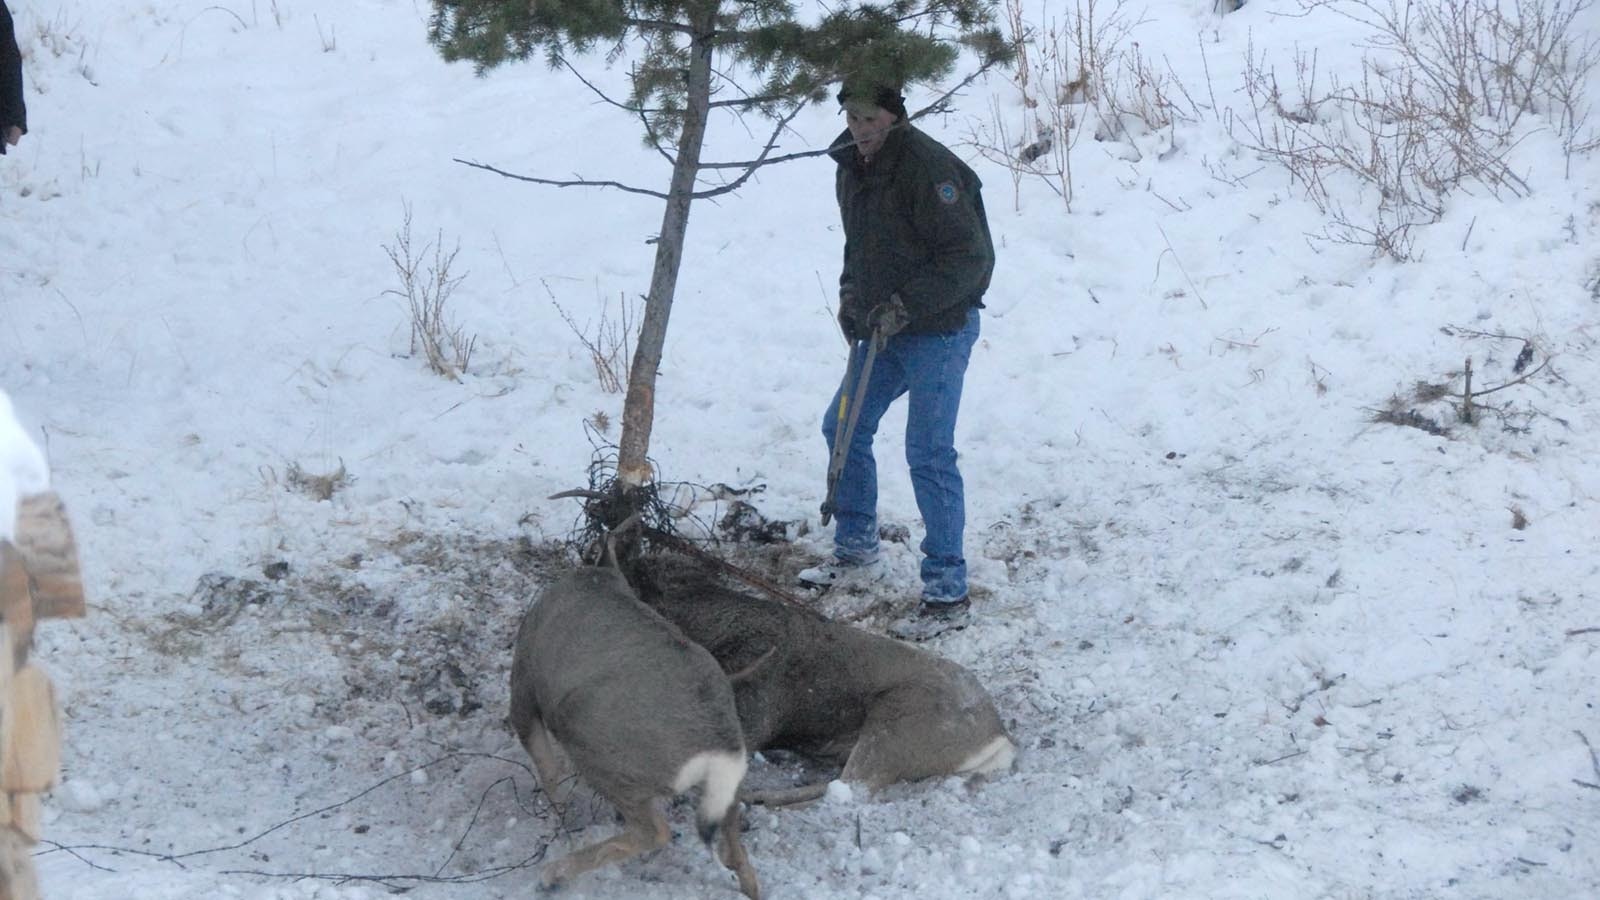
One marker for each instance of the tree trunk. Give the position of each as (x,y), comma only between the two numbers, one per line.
(638,410)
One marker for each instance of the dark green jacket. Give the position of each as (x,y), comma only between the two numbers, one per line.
(913,225)
(12,109)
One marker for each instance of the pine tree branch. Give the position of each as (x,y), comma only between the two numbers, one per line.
(749,101)
(604,97)
(660,25)
(942,103)
(900,23)
(766,160)
(659,195)
(642,112)
(938,105)
(654,139)
(762,160)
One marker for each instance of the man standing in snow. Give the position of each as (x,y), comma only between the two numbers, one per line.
(13,113)
(917,259)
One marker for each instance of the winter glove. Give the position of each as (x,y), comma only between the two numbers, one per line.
(849,316)
(888,319)
(853,331)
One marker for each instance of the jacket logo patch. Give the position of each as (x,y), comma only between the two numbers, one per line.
(947,192)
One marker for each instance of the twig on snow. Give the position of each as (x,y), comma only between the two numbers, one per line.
(1170,249)
(1323,683)
(1277,843)
(1594,760)
(1502,387)
(1268,762)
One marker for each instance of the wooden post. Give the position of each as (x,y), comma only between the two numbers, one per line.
(39,579)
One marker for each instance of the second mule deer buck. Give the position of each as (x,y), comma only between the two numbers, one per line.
(642,712)
(889,711)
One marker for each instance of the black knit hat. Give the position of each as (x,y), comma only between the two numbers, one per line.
(886,96)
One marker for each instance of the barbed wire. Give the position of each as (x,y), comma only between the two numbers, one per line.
(392,881)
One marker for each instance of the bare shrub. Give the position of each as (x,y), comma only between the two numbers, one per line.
(318,487)
(610,346)
(1399,411)
(1441,100)
(1134,97)
(329,41)
(1463,397)
(1021,39)
(426,286)
(61,37)
(1084,74)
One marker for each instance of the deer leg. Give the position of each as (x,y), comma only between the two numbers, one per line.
(907,741)
(872,763)
(907,735)
(786,796)
(644,828)
(884,748)
(547,758)
(733,856)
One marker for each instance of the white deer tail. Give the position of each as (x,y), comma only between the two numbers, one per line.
(718,774)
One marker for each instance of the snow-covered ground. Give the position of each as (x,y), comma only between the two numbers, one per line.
(1251,642)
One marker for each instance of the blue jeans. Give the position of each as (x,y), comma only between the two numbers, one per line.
(930,368)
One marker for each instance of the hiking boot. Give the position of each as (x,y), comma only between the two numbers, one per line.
(835,571)
(931,619)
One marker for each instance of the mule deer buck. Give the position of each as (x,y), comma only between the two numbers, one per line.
(642,712)
(888,711)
